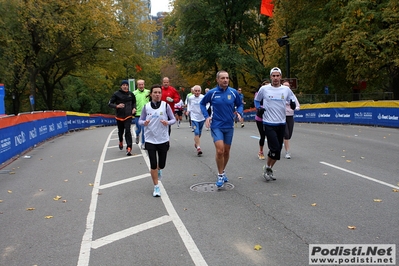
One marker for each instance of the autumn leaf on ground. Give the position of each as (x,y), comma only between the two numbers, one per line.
(348,161)
(257,247)
(377,200)
(57,198)
(294,195)
(11,173)
(1,200)
(48,217)
(91,184)
(9,191)
(395,190)
(30,209)
(313,204)
(80,172)
(352,227)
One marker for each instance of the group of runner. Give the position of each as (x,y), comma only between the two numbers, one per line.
(155,117)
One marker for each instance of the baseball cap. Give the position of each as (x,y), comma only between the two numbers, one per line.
(124,82)
(275,69)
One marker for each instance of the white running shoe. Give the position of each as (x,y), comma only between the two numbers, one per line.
(287,155)
(157,192)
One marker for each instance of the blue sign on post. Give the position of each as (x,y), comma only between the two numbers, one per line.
(326,90)
(2,94)
(32,102)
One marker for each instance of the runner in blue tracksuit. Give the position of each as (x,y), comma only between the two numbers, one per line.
(223,100)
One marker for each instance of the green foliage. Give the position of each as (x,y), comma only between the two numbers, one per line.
(45,42)
(207,36)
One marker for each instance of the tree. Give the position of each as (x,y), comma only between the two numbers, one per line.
(60,38)
(207,36)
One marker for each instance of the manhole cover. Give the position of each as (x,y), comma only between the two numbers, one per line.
(211,187)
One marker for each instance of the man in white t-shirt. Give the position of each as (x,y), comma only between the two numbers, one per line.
(275,97)
(197,118)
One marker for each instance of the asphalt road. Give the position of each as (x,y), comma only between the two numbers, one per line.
(78,200)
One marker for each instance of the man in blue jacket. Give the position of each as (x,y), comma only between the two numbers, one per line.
(224,101)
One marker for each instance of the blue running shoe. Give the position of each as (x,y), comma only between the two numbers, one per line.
(157,192)
(159,174)
(225,179)
(220,181)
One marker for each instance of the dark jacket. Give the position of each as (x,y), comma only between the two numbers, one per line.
(128,99)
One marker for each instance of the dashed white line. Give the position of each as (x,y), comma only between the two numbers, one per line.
(127,180)
(130,231)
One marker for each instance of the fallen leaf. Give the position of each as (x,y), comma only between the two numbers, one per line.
(66,180)
(294,195)
(377,200)
(194,174)
(30,209)
(80,172)
(57,198)
(1,200)
(185,209)
(395,190)
(64,201)
(48,217)
(9,191)
(313,204)
(348,161)
(11,173)
(257,247)
(351,227)
(91,184)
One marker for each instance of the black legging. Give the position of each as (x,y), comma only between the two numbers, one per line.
(124,127)
(152,150)
(262,134)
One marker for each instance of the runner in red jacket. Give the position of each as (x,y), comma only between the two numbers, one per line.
(169,95)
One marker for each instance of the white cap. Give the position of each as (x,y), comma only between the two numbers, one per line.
(275,69)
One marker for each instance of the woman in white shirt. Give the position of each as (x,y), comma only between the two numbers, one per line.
(156,117)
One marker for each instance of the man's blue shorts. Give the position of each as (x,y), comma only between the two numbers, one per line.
(225,134)
(197,126)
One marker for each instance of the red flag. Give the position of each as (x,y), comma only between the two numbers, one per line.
(266,8)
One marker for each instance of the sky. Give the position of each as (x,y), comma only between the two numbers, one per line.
(159,6)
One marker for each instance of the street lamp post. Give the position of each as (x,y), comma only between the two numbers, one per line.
(281,42)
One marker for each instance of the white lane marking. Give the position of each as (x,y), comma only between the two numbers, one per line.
(85,246)
(130,231)
(360,175)
(123,158)
(188,241)
(255,137)
(117,183)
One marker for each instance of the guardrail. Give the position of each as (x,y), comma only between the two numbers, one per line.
(19,133)
(375,113)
